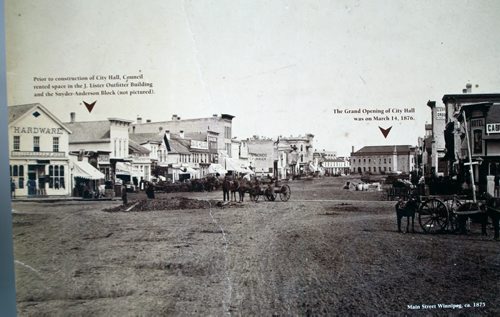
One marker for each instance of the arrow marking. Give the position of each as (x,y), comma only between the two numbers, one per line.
(90,106)
(385,132)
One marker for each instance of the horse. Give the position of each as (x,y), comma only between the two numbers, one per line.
(234,188)
(253,189)
(406,209)
(491,209)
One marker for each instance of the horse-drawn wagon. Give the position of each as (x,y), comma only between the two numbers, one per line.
(448,213)
(272,191)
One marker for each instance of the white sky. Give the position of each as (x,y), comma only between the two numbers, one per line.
(280,67)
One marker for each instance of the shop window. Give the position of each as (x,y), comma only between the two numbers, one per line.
(56,176)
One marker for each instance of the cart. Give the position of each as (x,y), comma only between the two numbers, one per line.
(282,190)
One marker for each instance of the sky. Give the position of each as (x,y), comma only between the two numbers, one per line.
(280,67)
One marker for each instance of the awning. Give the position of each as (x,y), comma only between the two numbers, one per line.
(233,165)
(122,169)
(85,170)
(216,168)
(127,169)
(187,170)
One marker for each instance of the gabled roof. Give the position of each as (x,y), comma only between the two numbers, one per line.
(19,111)
(177,146)
(137,148)
(383,149)
(143,138)
(89,131)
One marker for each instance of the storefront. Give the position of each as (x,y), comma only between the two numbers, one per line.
(38,148)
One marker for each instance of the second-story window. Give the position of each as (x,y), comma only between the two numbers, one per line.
(17,143)
(36,144)
(55,144)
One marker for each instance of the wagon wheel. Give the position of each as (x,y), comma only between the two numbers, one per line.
(285,193)
(433,216)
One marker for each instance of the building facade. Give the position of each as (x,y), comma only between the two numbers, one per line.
(383,159)
(108,137)
(219,127)
(38,152)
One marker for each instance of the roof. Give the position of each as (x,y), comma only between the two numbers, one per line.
(179,146)
(142,138)
(137,148)
(198,136)
(471,97)
(383,149)
(18,111)
(89,131)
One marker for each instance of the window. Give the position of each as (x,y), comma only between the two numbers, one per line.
(17,175)
(56,176)
(55,144)
(385,161)
(17,143)
(36,144)
(301,147)
(389,162)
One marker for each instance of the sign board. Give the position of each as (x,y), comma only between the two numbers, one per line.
(493,128)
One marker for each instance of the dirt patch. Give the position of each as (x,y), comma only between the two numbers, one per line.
(173,203)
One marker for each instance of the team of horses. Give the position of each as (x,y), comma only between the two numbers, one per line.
(231,187)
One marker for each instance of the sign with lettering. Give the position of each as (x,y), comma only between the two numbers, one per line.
(37,130)
(493,128)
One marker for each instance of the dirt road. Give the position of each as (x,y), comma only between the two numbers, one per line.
(312,255)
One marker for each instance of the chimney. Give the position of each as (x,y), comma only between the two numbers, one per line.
(148,120)
(139,120)
(72,117)
(352,149)
(181,134)
(464,90)
(215,115)
(469,87)
(133,129)
(167,133)
(174,117)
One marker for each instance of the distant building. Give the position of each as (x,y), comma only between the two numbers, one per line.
(38,152)
(383,159)
(261,153)
(336,166)
(220,126)
(109,138)
(294,155)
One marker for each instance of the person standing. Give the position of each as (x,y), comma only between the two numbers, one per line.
(225,188)
(124,195)
(12,188)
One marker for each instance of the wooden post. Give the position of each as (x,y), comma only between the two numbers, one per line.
(470,160)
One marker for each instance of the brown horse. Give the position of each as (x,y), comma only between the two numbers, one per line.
(406,209)
(252,188)
(234,188)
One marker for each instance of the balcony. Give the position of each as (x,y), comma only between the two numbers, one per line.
(33,154)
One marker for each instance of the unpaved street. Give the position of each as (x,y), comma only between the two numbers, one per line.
(324,252)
